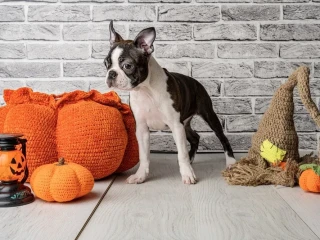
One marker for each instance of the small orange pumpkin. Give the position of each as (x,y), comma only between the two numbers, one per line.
(280,164)
(12,165)
(310,178)
(61,182)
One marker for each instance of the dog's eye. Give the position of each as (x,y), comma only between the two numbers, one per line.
(127,66)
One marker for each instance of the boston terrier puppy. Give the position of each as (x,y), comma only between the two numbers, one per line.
(160,100)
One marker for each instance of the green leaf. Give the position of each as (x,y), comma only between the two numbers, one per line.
(307,166)
(316,169)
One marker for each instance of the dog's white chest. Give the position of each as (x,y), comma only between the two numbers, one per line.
(149,110)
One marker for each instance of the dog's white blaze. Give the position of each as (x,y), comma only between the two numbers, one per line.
(122,81)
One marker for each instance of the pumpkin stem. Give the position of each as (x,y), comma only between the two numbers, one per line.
(61,161)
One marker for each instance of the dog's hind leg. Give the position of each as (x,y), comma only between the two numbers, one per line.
(193,138)
(212,119)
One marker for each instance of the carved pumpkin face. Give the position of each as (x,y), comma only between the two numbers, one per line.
(12,165)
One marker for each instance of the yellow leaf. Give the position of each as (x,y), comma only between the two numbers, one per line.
(271,152)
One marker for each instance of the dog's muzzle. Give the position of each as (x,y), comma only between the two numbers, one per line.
(111,78)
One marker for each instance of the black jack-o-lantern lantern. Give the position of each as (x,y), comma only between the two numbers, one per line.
(13,171)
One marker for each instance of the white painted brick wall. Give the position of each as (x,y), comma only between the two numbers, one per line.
(240,50)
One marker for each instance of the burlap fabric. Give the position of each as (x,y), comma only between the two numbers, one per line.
(277,126)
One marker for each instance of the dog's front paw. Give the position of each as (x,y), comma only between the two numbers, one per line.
(139,177)
(187,174)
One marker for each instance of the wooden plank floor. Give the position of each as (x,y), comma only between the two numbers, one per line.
(164,208)
(49,221)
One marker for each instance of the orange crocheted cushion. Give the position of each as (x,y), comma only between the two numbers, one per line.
(33,115)
(89,128)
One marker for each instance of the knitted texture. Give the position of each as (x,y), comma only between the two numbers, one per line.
(88,128)
(61,182)
(277,126)
(309,181)
(33,115)
(91,134)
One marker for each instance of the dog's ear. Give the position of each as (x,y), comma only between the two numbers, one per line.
(145,39)
(114,36)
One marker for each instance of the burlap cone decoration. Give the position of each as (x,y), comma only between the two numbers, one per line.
(276,126)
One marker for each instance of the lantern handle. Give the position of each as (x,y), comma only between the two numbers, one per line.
(24,152)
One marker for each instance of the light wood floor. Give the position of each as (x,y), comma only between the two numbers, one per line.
(163,208)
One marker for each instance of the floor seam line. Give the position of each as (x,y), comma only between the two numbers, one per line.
(296,213)
(95,208)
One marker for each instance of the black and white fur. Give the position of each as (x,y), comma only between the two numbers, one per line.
(160,100)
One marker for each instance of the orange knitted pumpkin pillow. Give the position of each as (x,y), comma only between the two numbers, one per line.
(34,115)
(96,131)
(92,129)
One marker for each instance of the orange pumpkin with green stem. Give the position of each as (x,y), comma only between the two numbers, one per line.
(61,182)
(310,178)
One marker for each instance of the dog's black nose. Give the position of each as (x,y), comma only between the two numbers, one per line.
(113,74)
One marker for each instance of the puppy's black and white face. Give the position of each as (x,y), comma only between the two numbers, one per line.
(127,60)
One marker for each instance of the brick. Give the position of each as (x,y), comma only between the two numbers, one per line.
(209,142)
(160,1)
(276,69)
(167,32)
(298,32)
(29,69)
(246,123)
(11,84)
(280,1)
(317,69)
(247,50)
(87,32)
(199,125)
(162,142)
(250,13)
(179,67)
(29,32)
(299,50)
(299,107)
(58,87)
(223,1)
(189,13)
(12,50)
(304,123)
(222,70)
(58,13)
(251,87)
(262,104)
(101,86)
(100,49)
(301,12)
(212,86)
(94,1)
(58,51)
(124,13)
(225,32)
(191,50)
(11,13)
(232,105)
(84,69)
(308,141)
